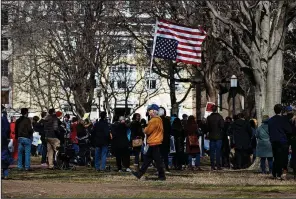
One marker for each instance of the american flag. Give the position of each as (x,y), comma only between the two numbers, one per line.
(179,43)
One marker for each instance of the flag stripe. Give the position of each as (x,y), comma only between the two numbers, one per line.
(185,28)
(188,50)
(189,55)
(189,44)
(180,40)
(164,27)
(189,62)
(178,35)
(189,59)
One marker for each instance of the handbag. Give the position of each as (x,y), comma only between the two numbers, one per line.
(137,142)
(193,140)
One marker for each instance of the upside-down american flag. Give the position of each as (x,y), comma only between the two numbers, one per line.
(179,43)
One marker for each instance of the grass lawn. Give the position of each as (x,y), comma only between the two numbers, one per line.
(86,183)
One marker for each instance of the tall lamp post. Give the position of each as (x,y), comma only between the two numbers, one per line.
(233,85)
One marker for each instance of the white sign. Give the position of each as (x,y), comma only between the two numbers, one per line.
(36,138)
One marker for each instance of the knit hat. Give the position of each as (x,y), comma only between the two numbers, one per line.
(289,108)
(153,107)
(59,114)
(265,118)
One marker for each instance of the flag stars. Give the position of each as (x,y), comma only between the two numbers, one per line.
(166,48)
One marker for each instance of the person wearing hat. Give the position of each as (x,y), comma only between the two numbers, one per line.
(264,149)
(154,132)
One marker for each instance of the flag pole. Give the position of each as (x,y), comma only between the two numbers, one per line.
(151,61)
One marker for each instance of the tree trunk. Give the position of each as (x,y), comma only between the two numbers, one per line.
(212,94)
(275,78)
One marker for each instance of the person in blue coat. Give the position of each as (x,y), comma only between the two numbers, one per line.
(264,149)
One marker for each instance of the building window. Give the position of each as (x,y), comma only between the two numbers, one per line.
(152,84)
(4,44)
(4,68)
(4,17)
(121,84)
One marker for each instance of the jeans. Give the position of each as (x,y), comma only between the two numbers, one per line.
(44,152)
(263,164)
(24,144)
(215,149)
(279,151)
(5,172)
(100,157)
(39,149)
(197,159)
(76,148)
(153,153)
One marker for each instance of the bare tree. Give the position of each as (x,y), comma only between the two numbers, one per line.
(75,39)
(259,28)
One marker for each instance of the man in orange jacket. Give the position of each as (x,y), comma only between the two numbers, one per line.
(154,132)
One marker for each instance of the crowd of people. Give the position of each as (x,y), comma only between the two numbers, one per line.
(164,142)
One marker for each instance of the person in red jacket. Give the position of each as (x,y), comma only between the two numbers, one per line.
(12,136)
(73,135)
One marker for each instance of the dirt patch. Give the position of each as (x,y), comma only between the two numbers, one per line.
(86,183)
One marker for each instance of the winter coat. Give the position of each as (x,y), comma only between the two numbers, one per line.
(73,134)
(192,149)
(23,127)
(41,130)
(215,125)
(242,134)
(15,141)
(51,126)
(179,139)
(6,158)
(165,146)
(100,135)
(119,136)
(263,148)
(278,128)
(81,131)
(136,131)
(293,143)
(225,141)
(154,131)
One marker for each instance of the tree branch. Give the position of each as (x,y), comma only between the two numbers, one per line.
(233,53)
(185,96)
